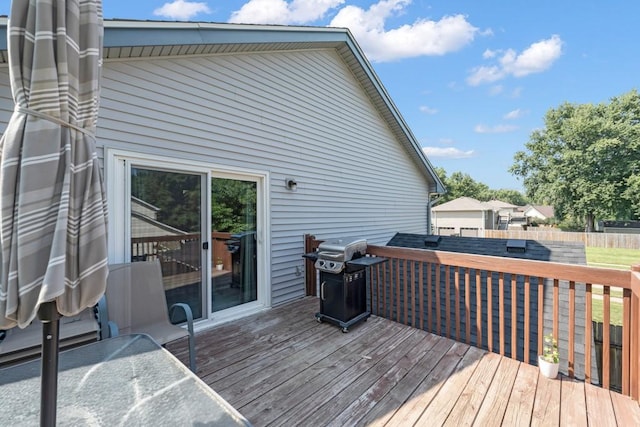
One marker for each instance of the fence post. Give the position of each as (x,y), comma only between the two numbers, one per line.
(635,333)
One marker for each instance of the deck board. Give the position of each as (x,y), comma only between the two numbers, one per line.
(384,384)
(466,408)
(302,386)
(546,406)
(494,406)
(281,368)
(520,406)
(626,410)
(442,404)
(601,412)
(573,408)
(350,397)
(392,402)
(325,400)
(422,396)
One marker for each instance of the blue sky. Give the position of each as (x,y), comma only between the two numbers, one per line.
(472,78)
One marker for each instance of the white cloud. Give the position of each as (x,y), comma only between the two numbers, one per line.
(182,10)
(423,37)
(538,57)
(448,152)
(516,92)
(515,114)
(283,12)
(487,54)
(496,90)
(485,75)
(494,129)
(428,110)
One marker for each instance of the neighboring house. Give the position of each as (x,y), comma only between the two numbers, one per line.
(464,216)
(539,212)
(503,207)
(207,108)
(144,221)
(508,216)
(468,217)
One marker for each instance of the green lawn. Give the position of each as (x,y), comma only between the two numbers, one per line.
(611,258)
(615,312)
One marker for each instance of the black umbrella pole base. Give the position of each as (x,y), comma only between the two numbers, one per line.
(50,318)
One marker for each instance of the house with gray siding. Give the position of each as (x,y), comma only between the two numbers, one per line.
(210,123)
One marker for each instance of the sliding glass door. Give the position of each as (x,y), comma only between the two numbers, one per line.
(204,227)
(233,232)
(166,225)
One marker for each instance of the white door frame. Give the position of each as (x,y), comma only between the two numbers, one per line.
(117,177)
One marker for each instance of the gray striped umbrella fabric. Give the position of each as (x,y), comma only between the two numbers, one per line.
(53,210)
(53,257)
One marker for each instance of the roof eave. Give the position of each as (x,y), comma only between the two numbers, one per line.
(411,140)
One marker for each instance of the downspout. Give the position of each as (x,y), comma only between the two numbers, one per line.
(433,197)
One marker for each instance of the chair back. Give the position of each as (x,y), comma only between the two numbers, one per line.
(138,289)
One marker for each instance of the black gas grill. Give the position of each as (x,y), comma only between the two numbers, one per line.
(343,291)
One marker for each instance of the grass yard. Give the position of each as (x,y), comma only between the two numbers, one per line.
(610,258)
(615,312)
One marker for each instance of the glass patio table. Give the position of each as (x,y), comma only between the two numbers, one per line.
(126,380)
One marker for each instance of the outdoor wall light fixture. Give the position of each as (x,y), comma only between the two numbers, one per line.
(291,184)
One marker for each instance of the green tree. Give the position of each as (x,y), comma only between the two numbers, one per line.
(586,160)
(233,205)
(176,195)
(460,185)
(463,185)
(510,196)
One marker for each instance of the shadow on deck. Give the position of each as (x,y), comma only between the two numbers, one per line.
(281,367)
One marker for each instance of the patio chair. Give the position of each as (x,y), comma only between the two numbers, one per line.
(19,345)
(137,304)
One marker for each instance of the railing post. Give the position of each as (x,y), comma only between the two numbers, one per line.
(635,333)
(309,268)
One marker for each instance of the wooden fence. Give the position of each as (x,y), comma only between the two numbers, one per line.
(615,352)
(498,304)
(598,240)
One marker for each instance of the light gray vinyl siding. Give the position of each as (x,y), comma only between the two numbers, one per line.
(6,101)
(299,114)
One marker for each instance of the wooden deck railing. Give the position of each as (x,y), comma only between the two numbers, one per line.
(507,305)
(181,253)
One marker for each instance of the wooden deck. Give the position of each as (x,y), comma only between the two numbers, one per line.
(282,368)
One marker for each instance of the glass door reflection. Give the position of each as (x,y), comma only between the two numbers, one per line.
(166,223)
(233,235)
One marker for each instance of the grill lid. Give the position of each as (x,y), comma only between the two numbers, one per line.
(348,247)
(334,253)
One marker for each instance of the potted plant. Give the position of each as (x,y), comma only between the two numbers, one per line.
(549,360)
(219,263)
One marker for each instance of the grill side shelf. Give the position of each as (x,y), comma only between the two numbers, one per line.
(362,262)
(313,256)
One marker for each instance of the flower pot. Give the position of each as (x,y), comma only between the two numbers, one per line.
(219,266)
(548,369)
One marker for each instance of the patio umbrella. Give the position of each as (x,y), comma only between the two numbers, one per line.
(53,258)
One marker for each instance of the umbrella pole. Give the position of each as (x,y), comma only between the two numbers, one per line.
(50,318)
